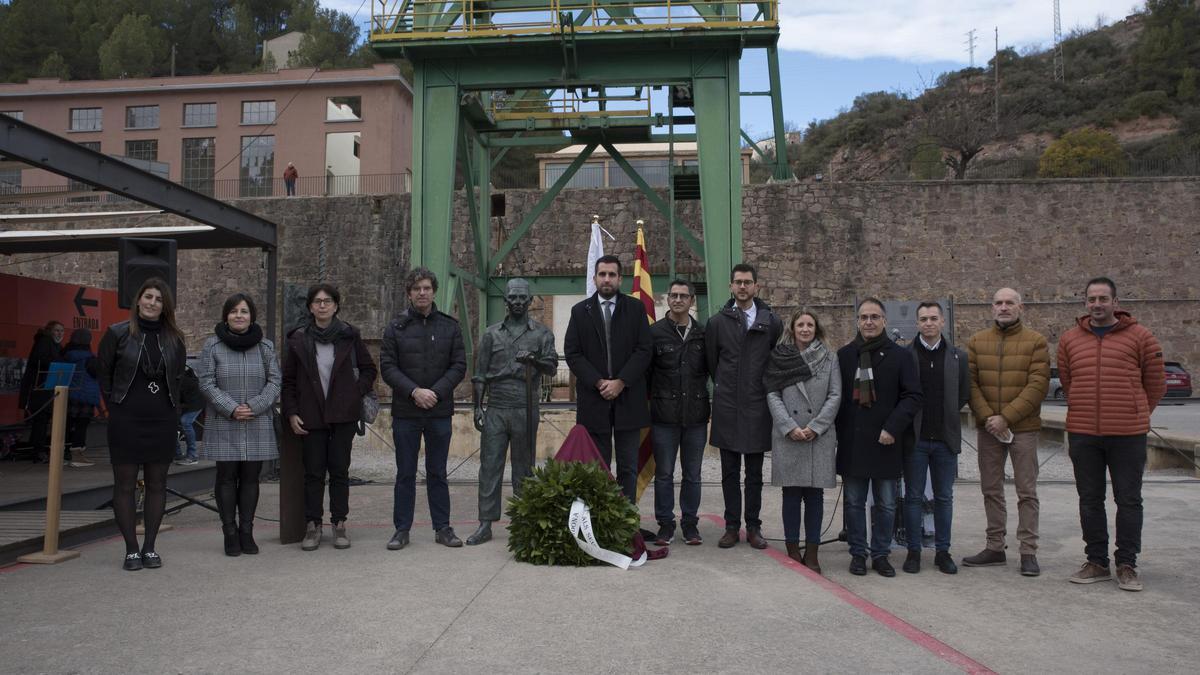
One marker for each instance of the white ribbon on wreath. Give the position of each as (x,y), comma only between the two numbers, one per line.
(580,521)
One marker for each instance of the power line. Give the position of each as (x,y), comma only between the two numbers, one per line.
(1059,65)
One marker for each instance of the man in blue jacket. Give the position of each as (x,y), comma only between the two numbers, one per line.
(423,359)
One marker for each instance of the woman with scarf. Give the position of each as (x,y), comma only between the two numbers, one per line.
(326,371)
(803,394)
(240,380)
(140,363)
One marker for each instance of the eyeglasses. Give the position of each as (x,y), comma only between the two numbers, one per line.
(870,317)
(321,302)
(679,296)
(744,282)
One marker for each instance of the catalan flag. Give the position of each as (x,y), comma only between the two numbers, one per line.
(642,290)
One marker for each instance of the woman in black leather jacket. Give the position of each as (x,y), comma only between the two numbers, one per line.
(141,362)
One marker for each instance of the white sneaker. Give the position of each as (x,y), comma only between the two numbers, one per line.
(78,460)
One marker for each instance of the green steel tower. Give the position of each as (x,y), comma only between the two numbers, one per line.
(480,66)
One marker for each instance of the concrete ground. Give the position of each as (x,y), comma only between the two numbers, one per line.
(429,609)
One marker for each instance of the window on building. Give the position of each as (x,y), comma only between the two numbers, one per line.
(15,114)
(141,117)
(10,181)
(258,112)
(656,172)
(342,108)
(77,186)
(199,114)
(199,164)
(86,119)
(144,149)
(258,166)
(590,175)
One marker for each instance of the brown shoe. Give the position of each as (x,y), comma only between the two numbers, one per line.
(754,538)
(793,551)
(1127,578)
(810,557)
(1090,573)
(729,539)
(985,558)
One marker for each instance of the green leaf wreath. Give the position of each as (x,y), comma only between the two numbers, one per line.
(538,531)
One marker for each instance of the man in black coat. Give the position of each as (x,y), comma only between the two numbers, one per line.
(738,342)
(423,359)
(881,394)
(608,349)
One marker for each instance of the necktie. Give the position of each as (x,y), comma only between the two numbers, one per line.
(608,333)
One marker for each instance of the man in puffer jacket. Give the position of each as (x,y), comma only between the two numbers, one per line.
(1112,371)
(1010,373)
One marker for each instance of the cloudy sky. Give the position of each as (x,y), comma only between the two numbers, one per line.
(833,50)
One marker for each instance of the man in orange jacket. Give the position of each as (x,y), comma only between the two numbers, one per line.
(1111,369)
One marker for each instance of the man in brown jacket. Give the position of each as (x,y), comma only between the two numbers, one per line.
(1112,370)
(1010,373)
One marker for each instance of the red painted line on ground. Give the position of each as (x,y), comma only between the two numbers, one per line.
(910,632)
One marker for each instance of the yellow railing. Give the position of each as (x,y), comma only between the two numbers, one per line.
(571,103)
(407,20)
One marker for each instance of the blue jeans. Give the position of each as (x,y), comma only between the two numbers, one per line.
(188,421)
(883,515)
(688,443)
(812,501)
(406,434)
(942,465)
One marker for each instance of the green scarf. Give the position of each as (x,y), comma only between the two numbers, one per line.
(864,379)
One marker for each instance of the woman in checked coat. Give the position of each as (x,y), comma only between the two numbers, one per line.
(240,379)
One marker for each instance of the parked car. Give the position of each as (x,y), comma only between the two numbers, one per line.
(1056,388)
(1179,381)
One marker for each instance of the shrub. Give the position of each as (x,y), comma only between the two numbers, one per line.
(1083,153)
(1145,104)
(538,532)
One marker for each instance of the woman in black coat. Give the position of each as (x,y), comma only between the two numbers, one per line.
(321,400)
(140,364)
(47,348)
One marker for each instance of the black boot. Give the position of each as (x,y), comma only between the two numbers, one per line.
(226,494)
(247,505)
(246,538)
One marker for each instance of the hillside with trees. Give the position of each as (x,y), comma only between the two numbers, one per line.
(104,39)
(1128,105)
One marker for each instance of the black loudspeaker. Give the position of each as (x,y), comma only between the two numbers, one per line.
(142,259)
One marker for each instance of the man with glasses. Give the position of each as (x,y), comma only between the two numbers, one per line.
(678,413)
(1010,374)
(872,425)
(738,344)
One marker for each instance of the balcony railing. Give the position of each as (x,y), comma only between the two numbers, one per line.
(225,189)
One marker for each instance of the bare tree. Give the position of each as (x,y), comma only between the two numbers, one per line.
(961,118)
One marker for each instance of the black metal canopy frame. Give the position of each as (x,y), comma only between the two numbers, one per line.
(231,227)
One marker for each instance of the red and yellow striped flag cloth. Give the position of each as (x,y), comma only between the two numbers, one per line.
(643,290)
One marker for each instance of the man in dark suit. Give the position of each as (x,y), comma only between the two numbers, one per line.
(608,349)
(881,394)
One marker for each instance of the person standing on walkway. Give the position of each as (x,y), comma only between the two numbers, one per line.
(84,396)
(679,411)
(191,403)
(423,360)
(608,348)
(804,391)
(326,372)
(140,365)
(32,398)
(513,356)
(1111,368)
(937,432)
(240,379)
(738,342)
(1010,373)
(873,425)
(290,174)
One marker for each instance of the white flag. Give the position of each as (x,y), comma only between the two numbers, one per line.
(595,252)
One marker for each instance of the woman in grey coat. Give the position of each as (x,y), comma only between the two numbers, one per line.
(803,393)
(240,379)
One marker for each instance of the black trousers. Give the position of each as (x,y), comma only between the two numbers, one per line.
(731,488)
(327,451)
(1124,459)
(626,442)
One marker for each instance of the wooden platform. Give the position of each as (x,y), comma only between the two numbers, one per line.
(22,529)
